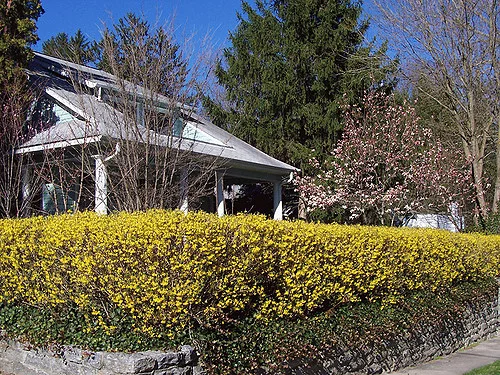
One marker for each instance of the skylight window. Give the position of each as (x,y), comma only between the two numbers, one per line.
(191,131)
(62,115)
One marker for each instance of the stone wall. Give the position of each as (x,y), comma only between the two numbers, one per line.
(20,359)
(420,344)
(388,353)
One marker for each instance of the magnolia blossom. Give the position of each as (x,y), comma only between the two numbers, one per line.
(386,166)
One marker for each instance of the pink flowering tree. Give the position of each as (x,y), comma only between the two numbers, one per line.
(386,167)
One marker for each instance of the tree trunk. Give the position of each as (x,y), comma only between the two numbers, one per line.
(496,196)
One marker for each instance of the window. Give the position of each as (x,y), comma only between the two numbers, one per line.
(62,115)
(55,200)
(44,114)
(190,130)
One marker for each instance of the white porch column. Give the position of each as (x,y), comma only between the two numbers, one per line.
(101,186)
(278,201)
(219,186)
(26,190)
(184,186)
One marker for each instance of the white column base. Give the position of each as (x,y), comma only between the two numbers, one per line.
(101,186)
(278,201)
(184,187)
(219,187)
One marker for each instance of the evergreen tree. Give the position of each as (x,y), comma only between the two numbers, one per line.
(133,45)
(286,73)
(76,48)
(128,50)
(18,31)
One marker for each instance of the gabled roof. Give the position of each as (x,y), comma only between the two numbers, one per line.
(93,120)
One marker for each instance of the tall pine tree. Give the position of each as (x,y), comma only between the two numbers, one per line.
(76,48)
(132,46)
(128,49)
(290,64)
(17,33)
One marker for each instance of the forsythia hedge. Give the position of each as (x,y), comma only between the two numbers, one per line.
(170,269)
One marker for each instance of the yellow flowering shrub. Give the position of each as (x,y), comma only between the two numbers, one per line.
(170,269)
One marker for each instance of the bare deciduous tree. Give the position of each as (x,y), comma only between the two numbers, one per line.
(145,110)
(455,44)
(155,91)
(15,99)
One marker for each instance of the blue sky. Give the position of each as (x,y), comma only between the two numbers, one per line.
(192,17)
(215,17)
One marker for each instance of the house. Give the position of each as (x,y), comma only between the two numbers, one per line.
(452,221)
(81,119)
(437,221)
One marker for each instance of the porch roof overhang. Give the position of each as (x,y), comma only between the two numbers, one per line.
(96,121)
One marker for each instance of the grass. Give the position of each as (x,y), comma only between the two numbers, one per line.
(491,369)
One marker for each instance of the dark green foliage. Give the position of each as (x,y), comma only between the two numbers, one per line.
(133,50)
(428,102)
(18,32)
(490,225)
(41,326)
(77,48)
(287,71)
(241,346)
(249,344)
(334,215)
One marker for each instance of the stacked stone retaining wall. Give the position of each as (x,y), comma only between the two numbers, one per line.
(419,344)
(20,359)
(385,354)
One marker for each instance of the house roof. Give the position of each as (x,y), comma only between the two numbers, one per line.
(92,119)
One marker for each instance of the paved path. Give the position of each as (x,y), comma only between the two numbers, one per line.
(460,362)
